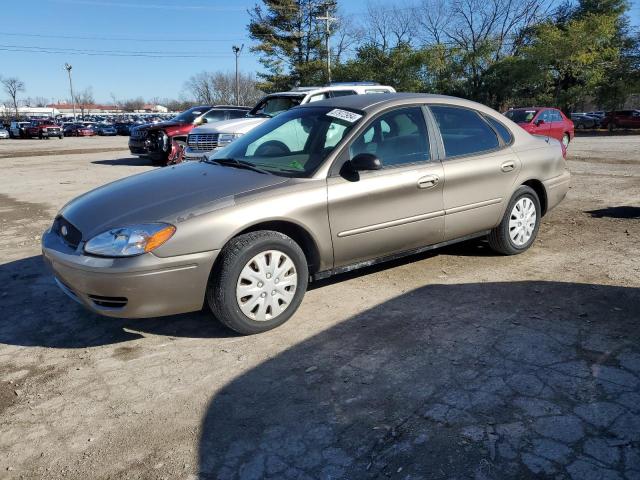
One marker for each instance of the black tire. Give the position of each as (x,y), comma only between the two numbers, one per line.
(499,238)
(60,136)
(221,291)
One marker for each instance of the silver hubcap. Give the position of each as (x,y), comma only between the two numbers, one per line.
(522,221)
(565,140)
(266,285)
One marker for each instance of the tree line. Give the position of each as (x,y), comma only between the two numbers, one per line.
(499,52)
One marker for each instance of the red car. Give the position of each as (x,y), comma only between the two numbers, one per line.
(622,119)
(43,129)
(79,131)
(548,122)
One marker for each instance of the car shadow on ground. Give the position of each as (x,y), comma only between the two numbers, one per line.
(624,212)
(128,161)
(483,380)
(36,313)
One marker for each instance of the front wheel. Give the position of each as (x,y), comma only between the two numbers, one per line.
(258,283)
(520,224)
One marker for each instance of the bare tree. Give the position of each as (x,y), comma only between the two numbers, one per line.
(219,88)
(13,86)
(85,100)
(133,104)
(36,102)
(388,26)
(346,35)
(117,104)
(432,19)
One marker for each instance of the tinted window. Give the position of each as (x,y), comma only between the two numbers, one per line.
(342,93)
(237,114)
(397,137)
(555,116)
(215,116)
(521,116)
(503,131)
(463,131)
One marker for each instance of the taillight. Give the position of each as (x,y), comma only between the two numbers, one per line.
(564,150)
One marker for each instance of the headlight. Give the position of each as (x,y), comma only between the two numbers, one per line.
(227,138)
(130,241)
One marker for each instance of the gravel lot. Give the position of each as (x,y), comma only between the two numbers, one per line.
(457,364)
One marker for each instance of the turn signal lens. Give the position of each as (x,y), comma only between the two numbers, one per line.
(159,238)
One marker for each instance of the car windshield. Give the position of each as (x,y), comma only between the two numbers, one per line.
(188,116)
(521,116)
(273,105)
(294,144)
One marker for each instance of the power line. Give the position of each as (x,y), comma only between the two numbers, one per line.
(105,53)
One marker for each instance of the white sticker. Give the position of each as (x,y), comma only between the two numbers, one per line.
(344,115)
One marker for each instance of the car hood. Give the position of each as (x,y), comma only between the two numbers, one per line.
(238,125)
(159,125)
(172,195)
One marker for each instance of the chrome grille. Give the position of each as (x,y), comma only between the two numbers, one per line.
(138,133)
(203,142)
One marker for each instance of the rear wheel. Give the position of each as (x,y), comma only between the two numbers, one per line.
(519,226)
(566,139)
(258,283)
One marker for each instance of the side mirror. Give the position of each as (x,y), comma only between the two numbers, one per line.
(539,122)
(365,161)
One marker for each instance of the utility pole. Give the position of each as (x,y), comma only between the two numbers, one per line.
(68,68)
(327,30)
(237,51)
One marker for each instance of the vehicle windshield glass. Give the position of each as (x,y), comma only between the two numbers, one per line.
(295,143)
(190,115)
(272,106)
(521,116)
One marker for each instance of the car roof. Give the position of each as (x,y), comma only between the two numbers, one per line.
(371,100)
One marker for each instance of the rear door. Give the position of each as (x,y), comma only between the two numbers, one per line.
(479,169)
(396,209)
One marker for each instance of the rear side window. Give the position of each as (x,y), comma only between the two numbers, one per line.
(503,131)
(463,131)
(555,116)
(342,93)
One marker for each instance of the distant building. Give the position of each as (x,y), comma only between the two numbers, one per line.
(43,112)
(154,109)
(92,109)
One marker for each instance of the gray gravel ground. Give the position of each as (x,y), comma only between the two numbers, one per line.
(457,364)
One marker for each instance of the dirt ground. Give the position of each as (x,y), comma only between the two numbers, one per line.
(457,364)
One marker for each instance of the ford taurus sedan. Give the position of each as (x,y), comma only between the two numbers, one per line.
(318,190)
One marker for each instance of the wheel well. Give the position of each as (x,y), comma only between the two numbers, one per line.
(298,234)
(538,187)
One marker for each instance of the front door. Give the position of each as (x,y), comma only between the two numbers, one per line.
(397,208)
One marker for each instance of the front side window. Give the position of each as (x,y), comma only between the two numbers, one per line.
(294,143)
(396,138)
(463,131)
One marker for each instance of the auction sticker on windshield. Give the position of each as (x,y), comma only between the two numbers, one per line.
(344,115)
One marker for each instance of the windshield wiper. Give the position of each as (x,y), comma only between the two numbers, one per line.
(233,162)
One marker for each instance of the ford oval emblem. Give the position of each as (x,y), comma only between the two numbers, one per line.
(64,230)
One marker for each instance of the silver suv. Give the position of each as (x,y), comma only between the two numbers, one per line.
(204,140)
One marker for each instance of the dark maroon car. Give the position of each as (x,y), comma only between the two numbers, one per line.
(160,141)
(622,119)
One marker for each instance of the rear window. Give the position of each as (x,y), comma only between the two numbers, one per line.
(503,131)
(463,131)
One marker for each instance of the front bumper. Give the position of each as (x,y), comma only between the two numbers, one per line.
(138,146)
(133,287)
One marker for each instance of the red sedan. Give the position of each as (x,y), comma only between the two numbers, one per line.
(80,131)
(548,122)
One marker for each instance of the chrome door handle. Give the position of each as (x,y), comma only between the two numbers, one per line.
(507,166)
(429,181)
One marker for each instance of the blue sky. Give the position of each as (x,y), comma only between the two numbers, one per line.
(172,27)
